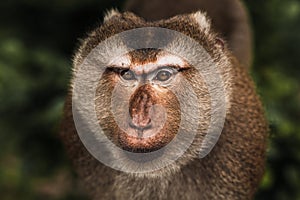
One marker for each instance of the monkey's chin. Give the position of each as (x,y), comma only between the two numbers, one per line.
(135,149)
(139,155)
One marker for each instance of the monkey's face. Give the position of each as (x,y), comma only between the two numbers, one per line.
(141,104)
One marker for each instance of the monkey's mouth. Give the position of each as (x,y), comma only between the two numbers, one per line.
(143,139)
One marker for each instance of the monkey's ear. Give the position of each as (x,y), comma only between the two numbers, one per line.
(220,43)
(110,14)
(202,20)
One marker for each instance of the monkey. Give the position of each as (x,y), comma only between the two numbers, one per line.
(147,86)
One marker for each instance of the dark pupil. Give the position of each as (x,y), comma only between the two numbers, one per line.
(127,75)
(163,75)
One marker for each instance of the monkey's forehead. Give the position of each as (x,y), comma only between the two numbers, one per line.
(142,56)
(147,60)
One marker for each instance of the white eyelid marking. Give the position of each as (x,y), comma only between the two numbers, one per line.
(144,69)
(163,59)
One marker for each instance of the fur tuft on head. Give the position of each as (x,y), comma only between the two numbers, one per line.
(110,14)
(202,20)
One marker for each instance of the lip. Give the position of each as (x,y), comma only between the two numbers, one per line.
(142,140)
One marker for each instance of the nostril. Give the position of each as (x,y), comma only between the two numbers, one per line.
(140,125)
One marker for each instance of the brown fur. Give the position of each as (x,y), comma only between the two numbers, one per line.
(231,171)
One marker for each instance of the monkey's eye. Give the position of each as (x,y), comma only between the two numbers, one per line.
(127,75)
(163,75)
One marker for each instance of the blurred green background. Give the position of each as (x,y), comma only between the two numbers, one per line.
(37,41)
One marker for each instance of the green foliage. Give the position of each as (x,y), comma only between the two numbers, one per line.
(277,70)
(37,40)
(36,48)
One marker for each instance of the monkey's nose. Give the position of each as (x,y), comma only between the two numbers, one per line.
(141,103)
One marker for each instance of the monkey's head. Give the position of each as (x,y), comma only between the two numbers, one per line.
(148,98)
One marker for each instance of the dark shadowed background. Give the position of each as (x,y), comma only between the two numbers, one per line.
(37,41)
